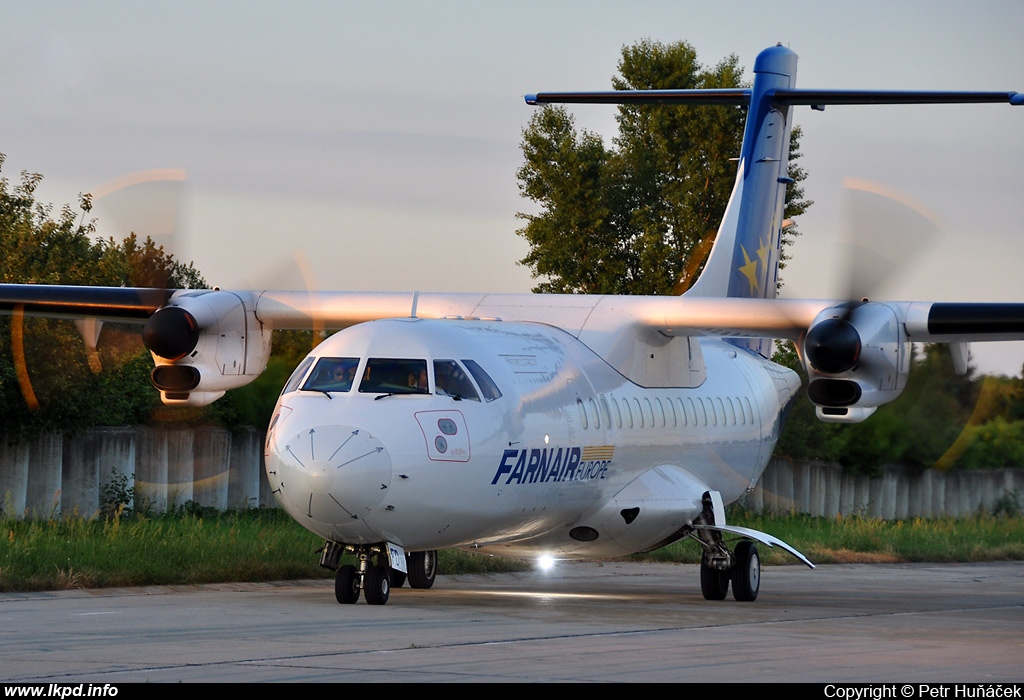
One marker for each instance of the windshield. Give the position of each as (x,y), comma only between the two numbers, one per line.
(394,376)
(451,380)
(332,374)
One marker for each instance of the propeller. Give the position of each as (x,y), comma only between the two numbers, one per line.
(881,232)
(146,203)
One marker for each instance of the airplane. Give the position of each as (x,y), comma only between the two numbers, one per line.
(568,426)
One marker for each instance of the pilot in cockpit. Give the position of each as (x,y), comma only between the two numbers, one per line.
(450,380)
(338,376)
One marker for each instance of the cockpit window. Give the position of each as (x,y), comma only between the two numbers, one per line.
(487,386)
(394,376)
(297,375)
(451,380)
(332,374)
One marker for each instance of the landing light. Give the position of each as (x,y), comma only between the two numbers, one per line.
(545,562)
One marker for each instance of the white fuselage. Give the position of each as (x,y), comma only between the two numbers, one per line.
(572,459)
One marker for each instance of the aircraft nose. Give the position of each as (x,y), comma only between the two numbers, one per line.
(330,473)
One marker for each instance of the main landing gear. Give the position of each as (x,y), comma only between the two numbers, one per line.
(372,576)
(741,567)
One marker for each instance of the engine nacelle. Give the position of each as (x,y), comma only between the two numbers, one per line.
(857,358)
(204,343)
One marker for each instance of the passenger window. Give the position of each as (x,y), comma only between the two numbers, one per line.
(332,374)
(487,386)
(607,413)
(451,380)
(394,376)
(293,381)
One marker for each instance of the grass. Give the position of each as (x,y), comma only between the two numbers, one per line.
(856,539)
(182,548)
(265,545)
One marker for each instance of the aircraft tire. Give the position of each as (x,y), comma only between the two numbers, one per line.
(346,585)
(377,585)
(746,574)
(422,568)
(397,578)
(714,584)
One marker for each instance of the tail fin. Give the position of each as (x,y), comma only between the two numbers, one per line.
(744,261)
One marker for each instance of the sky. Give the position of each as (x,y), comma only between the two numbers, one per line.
(374,146)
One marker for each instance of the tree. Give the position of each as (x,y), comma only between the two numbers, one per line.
(48,379)
(626,220)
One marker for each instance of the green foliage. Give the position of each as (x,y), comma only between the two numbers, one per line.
(150,266)
(940,420)
(919,427)
(60,385)
(803,435)
(855,539)
(254,402)
(134,550)
(195,546)
(996,443)
(627,220)
(119,500)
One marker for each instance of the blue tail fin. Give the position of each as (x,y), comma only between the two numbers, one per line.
(744,261)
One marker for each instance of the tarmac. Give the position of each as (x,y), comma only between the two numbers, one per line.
(616,622)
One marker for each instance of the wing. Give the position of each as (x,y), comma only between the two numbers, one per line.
(857,355)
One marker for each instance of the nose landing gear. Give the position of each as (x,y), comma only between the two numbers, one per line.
(369,578)
(373,576)
(372,579)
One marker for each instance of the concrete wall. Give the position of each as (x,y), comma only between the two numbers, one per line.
(66,474)
(57,474)
(820,488)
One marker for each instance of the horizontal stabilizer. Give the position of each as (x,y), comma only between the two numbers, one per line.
(740,96)
(891,97)
(721,96)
